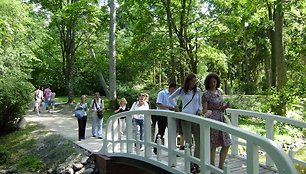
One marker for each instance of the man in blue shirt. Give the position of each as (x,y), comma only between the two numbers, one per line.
(163,103)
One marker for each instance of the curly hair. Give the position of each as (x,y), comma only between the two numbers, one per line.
(211,76)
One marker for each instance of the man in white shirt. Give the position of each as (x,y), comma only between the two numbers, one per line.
(163,103)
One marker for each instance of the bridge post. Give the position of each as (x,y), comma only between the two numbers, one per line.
(269,135)
(171,141)
(234,148)
(187,156)
(226,168)
(158,148)
(129,131)
(204,148)
(147,135)
(252,158)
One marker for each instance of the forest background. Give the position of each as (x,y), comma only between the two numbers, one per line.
(129,46)
(124,47)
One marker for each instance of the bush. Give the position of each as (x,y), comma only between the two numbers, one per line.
(15,96)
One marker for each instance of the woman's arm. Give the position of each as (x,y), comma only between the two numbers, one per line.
(173,96)
(133,107)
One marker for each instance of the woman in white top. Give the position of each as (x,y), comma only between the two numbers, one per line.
(191,97)
(97,104)
(82,121)
(139,118)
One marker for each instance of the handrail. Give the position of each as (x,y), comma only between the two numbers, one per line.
(269,118)
(113,145)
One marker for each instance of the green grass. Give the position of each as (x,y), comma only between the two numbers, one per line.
(33,149)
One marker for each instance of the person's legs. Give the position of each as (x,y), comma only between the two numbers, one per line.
(80,128)
(139,123)
(84,120)
(179,131)
(94,124)
(186,126)
(123,121)
(212,155)
(162,124)
(153,125)
(100,126)
(223,154)
(196,135)
(47,103)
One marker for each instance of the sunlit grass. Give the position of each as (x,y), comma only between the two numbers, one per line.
(33,149)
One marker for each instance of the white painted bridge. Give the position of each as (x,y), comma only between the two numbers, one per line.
(173,160)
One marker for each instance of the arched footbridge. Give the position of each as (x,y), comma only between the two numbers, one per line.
(121,153)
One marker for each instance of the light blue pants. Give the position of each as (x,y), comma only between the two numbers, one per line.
(96,125)
(189,129)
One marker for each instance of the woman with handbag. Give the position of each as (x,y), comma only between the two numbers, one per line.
(97,106)
(80,113)
(213,107)
(190,95)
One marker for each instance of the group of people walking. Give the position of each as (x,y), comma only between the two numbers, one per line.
(209,104)
(45,95)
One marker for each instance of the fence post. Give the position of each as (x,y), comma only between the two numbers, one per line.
(205,148)
(234,147)
(269,135)
(171,141)
(129,130)
(252,158)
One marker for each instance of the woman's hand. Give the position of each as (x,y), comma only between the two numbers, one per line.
(208,113)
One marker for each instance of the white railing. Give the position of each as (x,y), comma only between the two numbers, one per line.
(269,123)
(115,145)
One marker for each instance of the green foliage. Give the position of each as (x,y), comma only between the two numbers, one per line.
(15,96)
(281,100)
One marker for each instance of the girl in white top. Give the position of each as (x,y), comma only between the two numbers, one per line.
(139,118)
(191,97)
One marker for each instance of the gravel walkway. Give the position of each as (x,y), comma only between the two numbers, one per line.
(64,123)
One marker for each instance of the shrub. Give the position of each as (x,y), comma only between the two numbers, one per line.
(15,96)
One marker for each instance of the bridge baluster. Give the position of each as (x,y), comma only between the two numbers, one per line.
(186,156)
(270,135)
(234,147)
(226,169)
(158,148)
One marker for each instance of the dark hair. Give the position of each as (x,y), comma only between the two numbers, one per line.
(187,81)
(172,85)
(210,76)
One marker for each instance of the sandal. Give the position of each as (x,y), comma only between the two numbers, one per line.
(195,168)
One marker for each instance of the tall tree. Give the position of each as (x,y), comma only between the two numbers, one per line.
(72,19)
(112,52)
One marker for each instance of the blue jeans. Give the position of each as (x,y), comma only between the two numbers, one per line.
(140,123)
(96,125)
(47,100)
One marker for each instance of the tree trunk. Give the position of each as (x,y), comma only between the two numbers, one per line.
(112,54)
(172,58)
(272,41)
(281,69)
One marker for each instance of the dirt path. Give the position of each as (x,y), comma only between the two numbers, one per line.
(64,123)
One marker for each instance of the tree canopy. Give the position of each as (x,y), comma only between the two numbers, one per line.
(257,47)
